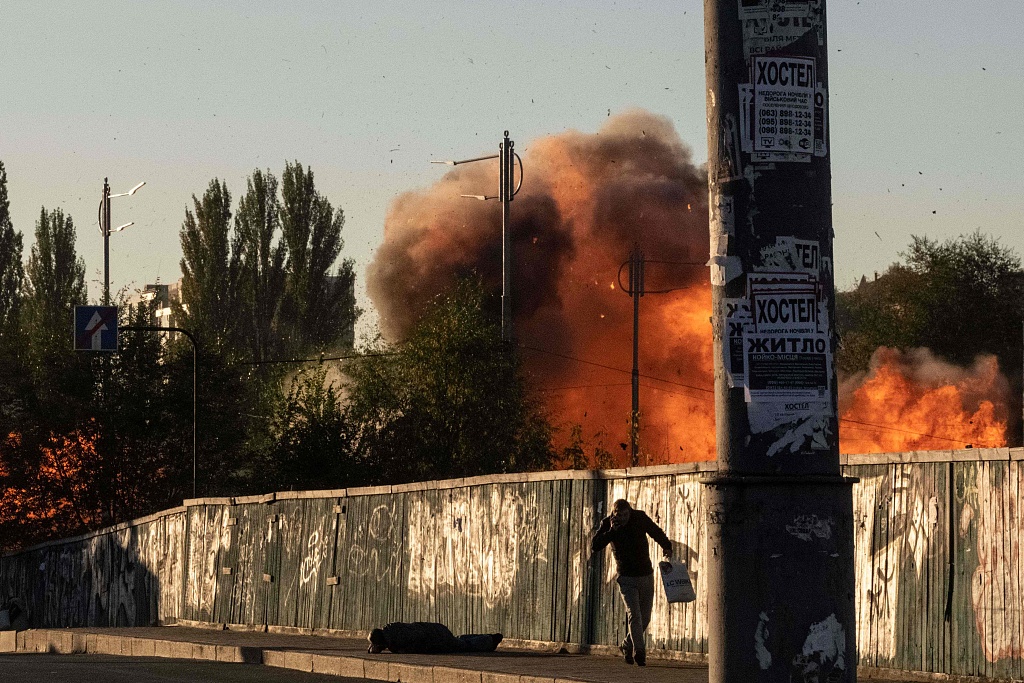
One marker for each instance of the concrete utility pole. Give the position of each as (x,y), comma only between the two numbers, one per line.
(780,515)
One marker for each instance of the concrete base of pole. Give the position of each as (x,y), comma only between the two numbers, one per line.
(784,548)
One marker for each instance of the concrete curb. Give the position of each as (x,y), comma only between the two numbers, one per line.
(58,641)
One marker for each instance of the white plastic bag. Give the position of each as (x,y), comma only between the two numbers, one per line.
(676,579)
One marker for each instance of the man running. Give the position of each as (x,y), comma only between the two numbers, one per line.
(627,530)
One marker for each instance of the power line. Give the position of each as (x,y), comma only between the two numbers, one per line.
(583,386)
(316,360)
(609,367)
(902,431)
(589,386)
(709,391)
(669,391)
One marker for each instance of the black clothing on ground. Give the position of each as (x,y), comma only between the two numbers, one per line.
(629,543)
(426,637)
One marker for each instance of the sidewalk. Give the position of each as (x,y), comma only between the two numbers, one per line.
(348,657)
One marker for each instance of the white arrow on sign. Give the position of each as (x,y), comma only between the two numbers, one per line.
(95,329)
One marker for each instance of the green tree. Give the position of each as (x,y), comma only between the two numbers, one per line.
(261,262)
(12,379)
(972,296)
(210,270)
(311,436)
(319,305)
(143,426)
(11,271)
(45,439)
(55,284)
(451,401)
(884,312)
(959,298)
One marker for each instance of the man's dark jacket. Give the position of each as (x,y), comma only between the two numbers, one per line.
(629,543)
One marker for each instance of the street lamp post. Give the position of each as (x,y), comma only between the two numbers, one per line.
(507,190)
(105,230)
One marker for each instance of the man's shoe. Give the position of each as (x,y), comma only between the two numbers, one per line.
(641,658)
(627,654)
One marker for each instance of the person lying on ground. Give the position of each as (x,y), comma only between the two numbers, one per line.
(425,637)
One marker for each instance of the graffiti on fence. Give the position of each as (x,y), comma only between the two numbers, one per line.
(475,544)
(374,549)
(995,586)
(894,526)
(316,547)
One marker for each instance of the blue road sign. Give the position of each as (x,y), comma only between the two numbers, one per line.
(95,328)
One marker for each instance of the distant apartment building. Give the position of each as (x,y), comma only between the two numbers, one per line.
(160,297)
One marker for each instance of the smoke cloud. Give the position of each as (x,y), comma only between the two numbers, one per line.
(586,200)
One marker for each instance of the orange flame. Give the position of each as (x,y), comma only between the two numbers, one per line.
(677,409)
(913,401)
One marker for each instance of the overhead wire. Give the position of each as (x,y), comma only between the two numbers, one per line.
(877,428)
(615,369)
(319,359)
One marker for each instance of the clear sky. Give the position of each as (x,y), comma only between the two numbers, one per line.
(926,104)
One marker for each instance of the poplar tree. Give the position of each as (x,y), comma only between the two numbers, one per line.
(59,382)
(11,271)
(261,255)
(209,267)
(319,304)
(12,378)
(55,284)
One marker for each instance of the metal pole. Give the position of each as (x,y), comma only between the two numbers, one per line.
(195,363)
(780,515)
(636,290)
(507,162)
(106,242)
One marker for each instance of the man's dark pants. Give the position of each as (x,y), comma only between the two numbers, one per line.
(638,596)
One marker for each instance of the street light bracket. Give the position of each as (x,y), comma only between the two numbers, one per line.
(450,162)
(129,192)
(516,191)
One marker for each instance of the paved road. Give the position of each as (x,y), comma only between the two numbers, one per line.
(29,668)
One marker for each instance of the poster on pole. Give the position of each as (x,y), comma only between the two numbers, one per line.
(786,351)
(784,90)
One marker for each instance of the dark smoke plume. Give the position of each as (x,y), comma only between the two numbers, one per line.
(586,200)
